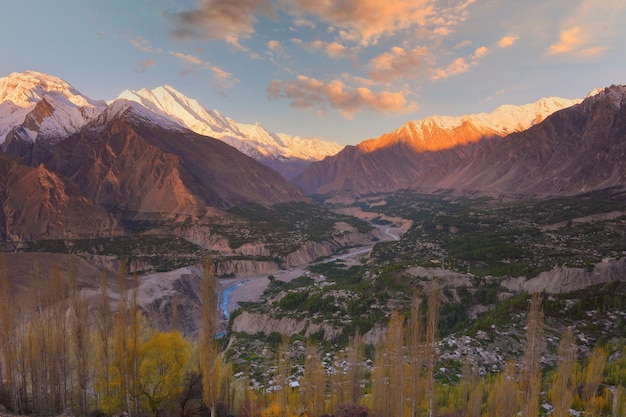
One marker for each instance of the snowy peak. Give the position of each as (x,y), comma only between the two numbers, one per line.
(41,106)
(27,88)
(442,132)
(135,111)
(251,139)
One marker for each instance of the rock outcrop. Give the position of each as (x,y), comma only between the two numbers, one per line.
(255,322)
(38,204)
(566,279)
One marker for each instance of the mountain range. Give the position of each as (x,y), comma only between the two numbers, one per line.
(551,147)
(74,166)
(289,155)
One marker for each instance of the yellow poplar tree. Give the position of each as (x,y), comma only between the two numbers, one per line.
(209,364)
(313,384)
(530,370)
(593,378)
(431,349)
(165,359)
(562,391)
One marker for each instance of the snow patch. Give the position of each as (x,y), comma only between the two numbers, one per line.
(252,139)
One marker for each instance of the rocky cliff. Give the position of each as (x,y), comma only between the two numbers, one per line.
(38,204)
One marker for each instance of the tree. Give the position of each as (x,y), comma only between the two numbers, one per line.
(80,337)
(415,337)
(208,328)
(314,382)
(593,377)
(120,380)
(8,325)
(501,400)
(562,391)
(282,376)
(355,372)
(134,343)
(385,379)
(165,359)
(530,368)
(431,349)
(104,334)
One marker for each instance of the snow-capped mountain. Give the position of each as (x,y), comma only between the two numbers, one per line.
(252,139)
(442,132)
(423,153)
(38,106)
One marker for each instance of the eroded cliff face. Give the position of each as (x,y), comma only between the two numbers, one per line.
(564,279)
(241,262)
(256,322)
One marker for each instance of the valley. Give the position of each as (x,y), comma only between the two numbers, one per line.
(453,252)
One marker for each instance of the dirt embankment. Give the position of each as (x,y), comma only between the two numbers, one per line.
(565,279)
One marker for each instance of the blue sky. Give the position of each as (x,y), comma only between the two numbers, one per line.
(343,71)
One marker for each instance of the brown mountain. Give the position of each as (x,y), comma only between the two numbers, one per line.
(36,203)
(129,159)
(576,149)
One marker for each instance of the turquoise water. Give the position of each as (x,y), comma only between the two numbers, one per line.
(226,298)
(224,304)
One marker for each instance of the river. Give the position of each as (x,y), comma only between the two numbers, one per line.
(254,291)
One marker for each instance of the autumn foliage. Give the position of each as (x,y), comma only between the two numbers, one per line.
(60,352)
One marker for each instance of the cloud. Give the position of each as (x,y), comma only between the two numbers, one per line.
(223,79)
(397,64)
(507,41)
(332,49)
(142,44)
(480,52)
(275,46)
(221,19)
(367,20)
(569,39)
(309,93)
(335,50)
(188,58)
(591,29)
(144,65)
(459,66)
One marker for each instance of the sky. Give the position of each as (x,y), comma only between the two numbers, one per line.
(343,71)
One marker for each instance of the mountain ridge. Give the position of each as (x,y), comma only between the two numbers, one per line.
(285,153)
(29,133)
(456,154)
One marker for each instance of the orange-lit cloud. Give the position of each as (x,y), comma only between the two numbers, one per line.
(142,44)
(507,41)
(274,45)
(397,64)
(459,66)
(573,40)
(307,93)
(367,20)
(569,39)
(223,79)
(335,50)
(221,19)
(587,31)
(188,58)
(332,49)
(480,52)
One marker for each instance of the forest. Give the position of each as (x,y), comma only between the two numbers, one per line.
(62,354)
